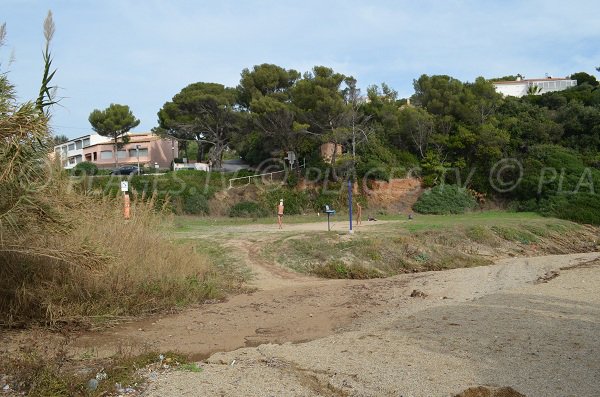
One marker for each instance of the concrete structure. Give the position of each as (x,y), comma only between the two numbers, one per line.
(99,150)
(521,87)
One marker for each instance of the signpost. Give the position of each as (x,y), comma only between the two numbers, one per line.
(126,202)
(291,157)
(329,212)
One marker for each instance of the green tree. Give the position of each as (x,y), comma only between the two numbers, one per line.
(59,139)
(583,77)
(266,80)
(205,112)
(358,123)
(265,91)
(114,122)
(320,103)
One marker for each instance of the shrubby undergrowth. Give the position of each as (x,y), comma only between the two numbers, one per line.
(65,256)
(445,199)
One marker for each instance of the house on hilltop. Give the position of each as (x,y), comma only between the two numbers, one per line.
(521,87)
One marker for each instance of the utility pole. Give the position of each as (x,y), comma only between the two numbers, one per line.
(137,149)
(350,203)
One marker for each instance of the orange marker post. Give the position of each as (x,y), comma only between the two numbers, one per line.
(126,206)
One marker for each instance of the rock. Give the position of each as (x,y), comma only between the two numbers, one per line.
(92,384)
(417,294)
(101,375)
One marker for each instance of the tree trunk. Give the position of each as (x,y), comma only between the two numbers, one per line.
(216,155)
(199,152)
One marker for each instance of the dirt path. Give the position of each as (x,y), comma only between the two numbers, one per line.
(512,324)
(370,337)
(256,229)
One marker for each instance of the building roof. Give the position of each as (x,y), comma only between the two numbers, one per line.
(532,80)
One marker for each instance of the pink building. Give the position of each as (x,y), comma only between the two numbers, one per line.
(150,148)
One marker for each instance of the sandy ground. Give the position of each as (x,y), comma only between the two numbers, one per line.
(512,324)
(496,325)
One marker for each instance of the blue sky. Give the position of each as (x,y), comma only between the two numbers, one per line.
(141,53)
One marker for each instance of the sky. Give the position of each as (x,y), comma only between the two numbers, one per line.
(142,53)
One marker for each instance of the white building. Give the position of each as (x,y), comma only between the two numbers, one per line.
(71,152)
(521,87)
(145,149)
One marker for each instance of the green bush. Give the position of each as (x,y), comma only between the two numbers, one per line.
(195,204)
(445,199)
(580,207)
(248,209)
(85,168)
(295,202)
(550,170)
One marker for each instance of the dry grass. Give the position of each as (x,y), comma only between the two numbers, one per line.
(101,265)
(389,250)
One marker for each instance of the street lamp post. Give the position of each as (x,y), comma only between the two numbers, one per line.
(137,149)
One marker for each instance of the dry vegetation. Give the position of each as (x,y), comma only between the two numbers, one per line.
(68,257)
(389,249)
(103,266)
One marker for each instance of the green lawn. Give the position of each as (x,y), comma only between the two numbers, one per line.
(420,222)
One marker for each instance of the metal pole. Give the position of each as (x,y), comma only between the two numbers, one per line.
(328,227)
(350,203)
(137,149)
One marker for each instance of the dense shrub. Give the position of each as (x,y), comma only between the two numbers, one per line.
(174,187)
(196,204)
(248,209)
(551,170)
(580,207)
(445,199)
(295,202)
(85,168)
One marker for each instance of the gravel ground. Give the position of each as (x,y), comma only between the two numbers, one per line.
(513,324)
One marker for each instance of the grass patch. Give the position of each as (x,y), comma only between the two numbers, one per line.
(35,374)
(331,255)
(338,269)
(482,235)
(515,234)
(431,242)
(190,367)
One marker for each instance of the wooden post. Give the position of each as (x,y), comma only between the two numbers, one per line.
(127,206)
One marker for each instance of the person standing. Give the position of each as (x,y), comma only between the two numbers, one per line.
(280,214)
(358,214)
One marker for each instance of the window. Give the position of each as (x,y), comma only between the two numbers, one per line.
(78,144)
(106,155)
(86,142)
(95,156)
(78,159)
(143,152)
(71,146)
(72,160)
(122,154)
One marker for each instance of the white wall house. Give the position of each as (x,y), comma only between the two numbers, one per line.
(71,152)
(521,87)
(145,149)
